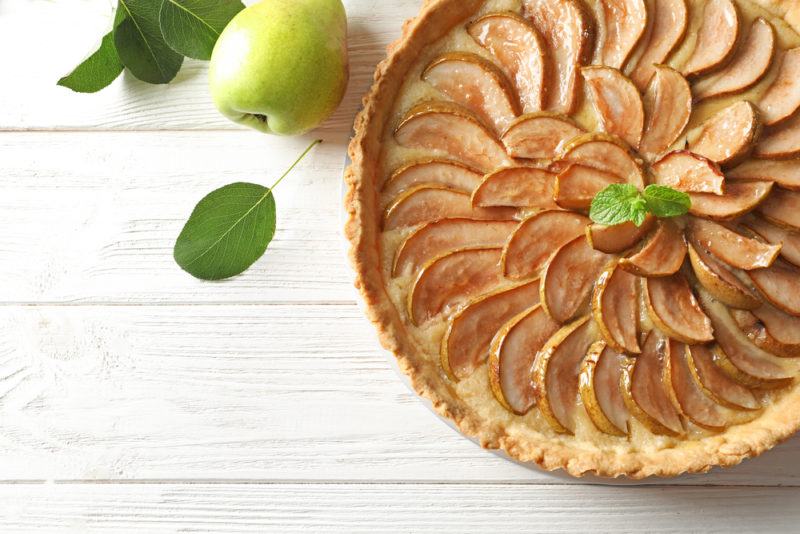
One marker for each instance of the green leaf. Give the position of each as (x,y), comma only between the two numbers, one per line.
(664,201)
(191,27)
(140,45)
(97,71)
(616,204)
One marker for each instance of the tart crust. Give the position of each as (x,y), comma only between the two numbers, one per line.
(778,421)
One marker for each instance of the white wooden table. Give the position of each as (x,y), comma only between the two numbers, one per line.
(134,398)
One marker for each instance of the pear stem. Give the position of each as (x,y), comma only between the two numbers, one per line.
(298,160)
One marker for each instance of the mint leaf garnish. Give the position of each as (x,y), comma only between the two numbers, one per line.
(191,27)
(140,44)
(97,71)
(620,203)
(664,201)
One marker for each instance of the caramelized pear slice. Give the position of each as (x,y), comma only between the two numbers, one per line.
(693,402)
(606,153)
(568,32)
(784,173)
(623,23)
(568,278)
(435,238)
(668,106)
(556,373)
(615,306)
(645,393)
(716,38)
(425,203)
(662,255)
(617,238)
(536,238)
(715,383)
(782,208)
(747,67)
(782,99)
(780,332)
(512,355)
(539,135)
(601,372)
(720,282)
(520,51)
(782,142)
(616,102)
(789,239)
(686,171)
(729,134)
(451,130)
(673,308)
(447,173)
(669,22)
(740,352)
(465,345)
(517,187)
(477,84)
(739,198)
(731,247)
(780,284)
(577,185)
(452,279)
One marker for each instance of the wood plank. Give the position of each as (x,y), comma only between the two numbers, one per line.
(235,392)
(34,101)
(93,217)
(393,508)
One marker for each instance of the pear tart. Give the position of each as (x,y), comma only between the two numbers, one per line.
(659,349)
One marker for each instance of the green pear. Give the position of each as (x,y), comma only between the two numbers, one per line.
(280,66)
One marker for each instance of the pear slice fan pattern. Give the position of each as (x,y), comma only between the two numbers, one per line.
(677,329)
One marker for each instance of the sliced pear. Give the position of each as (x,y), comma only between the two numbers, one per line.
(517,187)
(435,238)
(645,393)
(600,375)
(520,51)
(512,355)
(720,282)
(673,308)
(577,185)
(782,99)
(661,255)
(782,208)
(689,172)
(715,383)
(789,239)
(615,306)
(784,173)
(728,135)
(668,106)
(536,238)
(452,279)
(539,135)
(778,332)
(624,23)
(616,102)
(425,203)
(568,277)
(617,238)
(477,84)
(465,345)
(606,153)
(716,38)
(780,284)
(781,142)
(746,357)
(449,129)
(739,198)
(568,32)
(669,22)
(747,67)
(556,373)
(447,173)
(731,247)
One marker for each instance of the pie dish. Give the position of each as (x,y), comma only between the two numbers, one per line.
(667,348)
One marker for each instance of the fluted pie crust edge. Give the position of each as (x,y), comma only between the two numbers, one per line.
(362,229)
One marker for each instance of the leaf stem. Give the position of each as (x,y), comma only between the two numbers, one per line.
(298,160)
